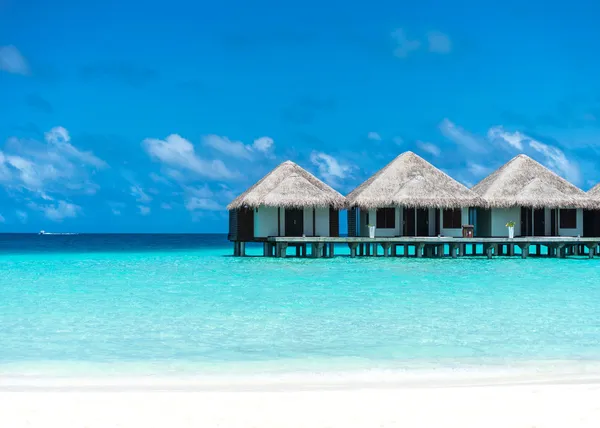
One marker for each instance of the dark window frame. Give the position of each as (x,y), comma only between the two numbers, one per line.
(386,218)
(568,218)
(452,218)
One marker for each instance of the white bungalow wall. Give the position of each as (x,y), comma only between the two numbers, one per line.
(265,222)
(321,220)
(501,216)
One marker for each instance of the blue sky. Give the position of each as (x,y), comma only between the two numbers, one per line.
(124,116)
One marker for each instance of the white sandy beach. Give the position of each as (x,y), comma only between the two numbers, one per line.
(540,404)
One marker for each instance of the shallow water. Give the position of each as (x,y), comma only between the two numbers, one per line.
(181,304)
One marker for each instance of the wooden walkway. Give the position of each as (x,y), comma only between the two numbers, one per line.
(427,246)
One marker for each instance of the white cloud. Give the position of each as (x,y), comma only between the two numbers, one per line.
(166,206)
(263,144)
(55,166)
(224,145)
(398,140)
(194,203)
(461,137)
(404,46)
(12,61)
(237,149)
(59,138)
(139,194)
(439,42)
(175,152)
(2,219)
(478,170)
(22,216)
(557,161)
(429,148)
(199,192)
(374,136)
(514,139)
(554,158)
(144,210)
(57,212)
(201,198)
(330,168)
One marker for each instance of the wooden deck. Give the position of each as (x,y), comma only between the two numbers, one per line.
(425,246)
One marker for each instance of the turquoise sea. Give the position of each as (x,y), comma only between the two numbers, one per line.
(180,304)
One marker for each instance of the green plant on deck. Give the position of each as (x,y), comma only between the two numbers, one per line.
(510,224)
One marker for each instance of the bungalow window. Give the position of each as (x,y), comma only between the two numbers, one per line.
(453,218)
(386,218)
(568,219)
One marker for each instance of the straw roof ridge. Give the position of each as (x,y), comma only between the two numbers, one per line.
(411,181)
(522,181)
(290,186)
(594,192)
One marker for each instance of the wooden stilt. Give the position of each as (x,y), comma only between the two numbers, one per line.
(352,249)
(386,249)
(331,250)
(454,251)
(489,251)
(592,250)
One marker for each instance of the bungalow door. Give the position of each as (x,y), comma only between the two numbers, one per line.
(423,222)
(526,222)
(591,223)
(539,222)
(294,222)
(409,222)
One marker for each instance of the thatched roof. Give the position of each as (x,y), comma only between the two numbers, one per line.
(524,182)
(594,192)
(411,181)
(289,186)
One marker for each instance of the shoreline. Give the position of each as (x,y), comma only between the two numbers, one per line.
(542,396)
(549,373)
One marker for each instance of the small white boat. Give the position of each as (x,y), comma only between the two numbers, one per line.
(42,232)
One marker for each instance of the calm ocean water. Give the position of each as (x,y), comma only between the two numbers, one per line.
(180,304)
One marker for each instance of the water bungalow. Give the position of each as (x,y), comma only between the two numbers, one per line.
(409,208)
(410,197)
(288,202)
(538,201)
